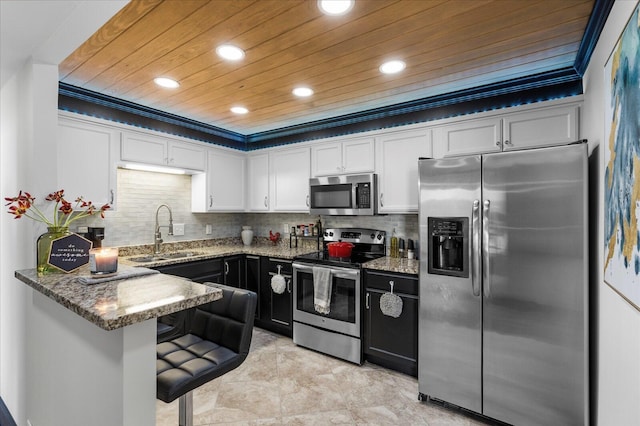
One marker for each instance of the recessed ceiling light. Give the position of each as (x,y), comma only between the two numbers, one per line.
(302,91)
(335,7)
(239,110)
(392,67)
(166,82)
(230,52)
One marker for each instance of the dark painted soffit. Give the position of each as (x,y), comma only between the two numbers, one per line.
(540,87)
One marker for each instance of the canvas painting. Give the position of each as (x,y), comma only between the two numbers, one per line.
(622,165)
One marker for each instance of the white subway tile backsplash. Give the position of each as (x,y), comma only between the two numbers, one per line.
(140,193)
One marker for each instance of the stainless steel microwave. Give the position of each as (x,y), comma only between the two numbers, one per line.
(348,195)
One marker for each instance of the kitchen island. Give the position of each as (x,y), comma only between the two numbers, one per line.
(91,348)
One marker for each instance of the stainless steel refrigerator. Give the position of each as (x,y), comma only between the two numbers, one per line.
(503,284)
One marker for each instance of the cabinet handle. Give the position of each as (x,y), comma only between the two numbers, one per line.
(381,199)
(265,201)
(113,196)
(289,285)
(226,268)
(507,142)
(366,303)
(307,200)
(210,200)
(498,143)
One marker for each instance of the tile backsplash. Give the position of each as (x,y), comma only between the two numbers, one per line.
(141,193)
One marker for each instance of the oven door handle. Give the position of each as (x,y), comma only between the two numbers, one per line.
(335,272)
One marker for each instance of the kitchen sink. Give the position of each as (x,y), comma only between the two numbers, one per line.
(166,256)
(180,255)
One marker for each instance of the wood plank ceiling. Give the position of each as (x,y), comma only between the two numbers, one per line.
(447,46)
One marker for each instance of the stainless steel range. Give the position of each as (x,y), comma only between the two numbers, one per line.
(327,293)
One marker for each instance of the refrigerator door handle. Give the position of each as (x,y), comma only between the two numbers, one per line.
(476,257)
(485,250)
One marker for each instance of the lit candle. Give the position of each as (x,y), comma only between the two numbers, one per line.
(103,260)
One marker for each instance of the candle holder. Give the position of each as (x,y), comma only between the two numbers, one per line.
(103,260)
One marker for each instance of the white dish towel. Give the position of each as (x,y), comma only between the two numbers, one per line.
(322,284)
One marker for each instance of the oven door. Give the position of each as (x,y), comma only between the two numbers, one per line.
(344,315)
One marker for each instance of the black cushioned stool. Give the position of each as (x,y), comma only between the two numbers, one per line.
(217,341)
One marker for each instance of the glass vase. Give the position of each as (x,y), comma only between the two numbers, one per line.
(44,248)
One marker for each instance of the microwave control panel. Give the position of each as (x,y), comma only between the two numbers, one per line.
(363,192)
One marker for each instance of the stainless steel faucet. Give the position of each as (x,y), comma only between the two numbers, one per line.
(157,239)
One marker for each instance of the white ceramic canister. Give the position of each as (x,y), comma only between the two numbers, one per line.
(247,235)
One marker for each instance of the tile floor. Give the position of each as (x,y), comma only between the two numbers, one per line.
(283,384)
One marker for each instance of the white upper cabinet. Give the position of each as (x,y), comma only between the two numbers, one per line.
(289,171)
(222,187)
(149,149)
(344,157)
(258,182)
(86,161)
(541,127)
(468,137)
(397,167)
(533,128)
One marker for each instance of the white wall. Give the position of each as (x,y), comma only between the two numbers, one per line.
(28,119)
(14,254)
(617,375)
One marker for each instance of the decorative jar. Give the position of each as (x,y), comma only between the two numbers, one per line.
(247,235)
(44,248)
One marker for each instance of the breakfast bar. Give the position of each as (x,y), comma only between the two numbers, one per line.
(91,346)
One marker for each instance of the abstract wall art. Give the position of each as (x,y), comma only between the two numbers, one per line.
(622,164)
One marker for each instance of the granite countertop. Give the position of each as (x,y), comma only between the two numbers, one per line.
(198,251)
(115,304)
(391,264)
(211,252)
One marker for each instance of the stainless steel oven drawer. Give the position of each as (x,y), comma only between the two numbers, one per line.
(335,344)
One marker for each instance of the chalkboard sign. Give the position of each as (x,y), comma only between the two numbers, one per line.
(70,252)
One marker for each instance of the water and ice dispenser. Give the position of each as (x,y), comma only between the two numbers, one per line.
(449,246)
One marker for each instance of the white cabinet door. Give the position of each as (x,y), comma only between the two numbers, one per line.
(258,182)
(86,161)
(144,149)
(326,159)
(290,170)
(186,155)
(397,167)
(225,176)
(543,127)
(358,156)
(468,137)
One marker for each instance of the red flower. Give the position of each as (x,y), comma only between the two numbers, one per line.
(56,196)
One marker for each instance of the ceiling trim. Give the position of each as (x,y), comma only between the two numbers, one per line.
(541,87)
(599,15)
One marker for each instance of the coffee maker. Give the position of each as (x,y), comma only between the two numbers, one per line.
(95,235)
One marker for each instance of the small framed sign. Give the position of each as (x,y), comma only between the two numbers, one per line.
(70,252)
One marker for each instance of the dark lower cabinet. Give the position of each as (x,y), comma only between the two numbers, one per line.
(209,270)
(252,278)
(276,310)
(388,341)
(234,271)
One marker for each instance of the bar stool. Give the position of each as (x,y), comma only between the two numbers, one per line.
(217,342)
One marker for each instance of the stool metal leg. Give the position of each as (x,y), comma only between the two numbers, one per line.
(185,414)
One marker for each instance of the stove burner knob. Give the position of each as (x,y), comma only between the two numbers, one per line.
(379,236)
(373,236)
